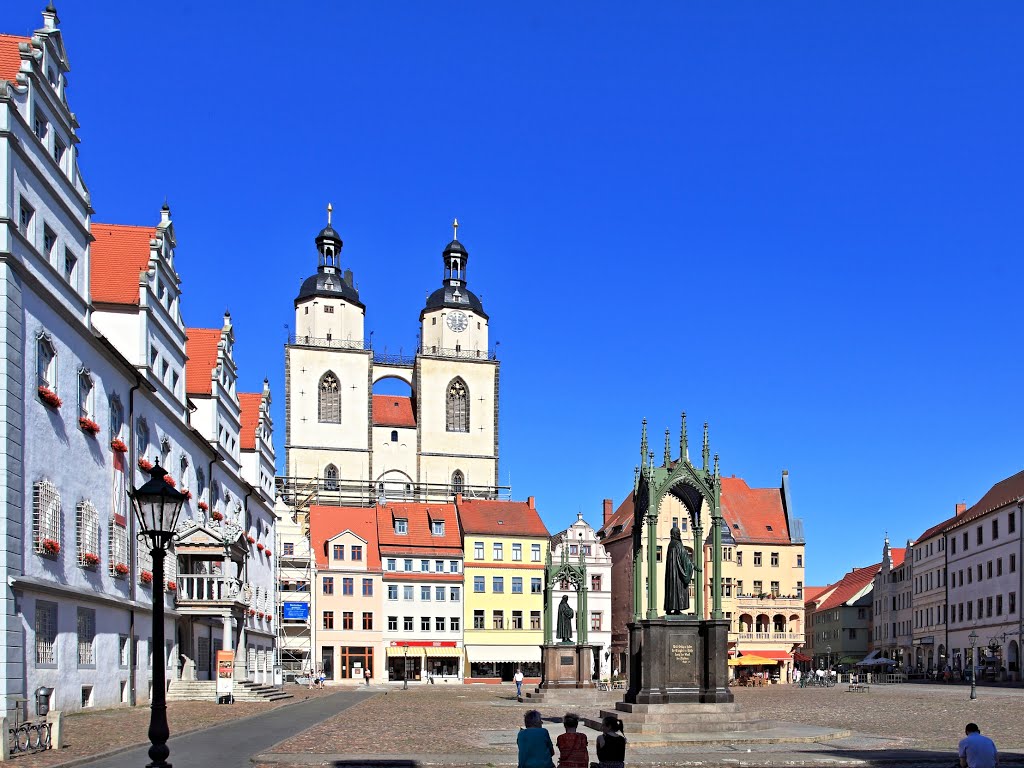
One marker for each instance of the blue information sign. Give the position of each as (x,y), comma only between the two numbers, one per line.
(295,611)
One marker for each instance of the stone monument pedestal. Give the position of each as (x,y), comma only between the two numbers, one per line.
(679,660)
(568,665)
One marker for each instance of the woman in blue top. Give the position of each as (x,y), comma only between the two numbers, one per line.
(535,747)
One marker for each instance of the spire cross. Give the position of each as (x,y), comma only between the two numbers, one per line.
(455,229)
(329,209)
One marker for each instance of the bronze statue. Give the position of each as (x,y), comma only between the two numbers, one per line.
(678,575)
(565,615)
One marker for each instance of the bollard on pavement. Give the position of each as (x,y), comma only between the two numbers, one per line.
(55,719)
(5,731)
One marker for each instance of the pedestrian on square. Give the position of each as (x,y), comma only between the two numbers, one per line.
(535,747)
(518,678)
(977,751)
(572,746)
(611,744)
(366,676)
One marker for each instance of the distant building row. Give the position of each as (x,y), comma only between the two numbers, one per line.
(920,605)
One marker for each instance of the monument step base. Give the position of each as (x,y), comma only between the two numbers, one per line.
(581,697)
(776,733)
(669,719)
(683,708)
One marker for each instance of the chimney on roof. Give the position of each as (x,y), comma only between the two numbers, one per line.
(458,499)
(531,502)
(961,507)
(607,511)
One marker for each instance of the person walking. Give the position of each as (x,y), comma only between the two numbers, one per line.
(611,744)
(977,751)
(366,676)
(572,746)
(519,684)
(535,747)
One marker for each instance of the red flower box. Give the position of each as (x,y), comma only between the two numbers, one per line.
(146,577)
(49,397)
(203,506)
(51,546)
(252,611)
(88,425)
(216,516)
(251,538)
(121,569)
(260,546)
(90,559)
(188,493)
(145,465)
(171,586)
(170,481)
(118,445)
(269,554)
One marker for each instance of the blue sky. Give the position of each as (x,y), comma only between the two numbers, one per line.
(798,221)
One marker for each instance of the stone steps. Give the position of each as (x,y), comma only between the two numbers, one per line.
(579,697)
(206,690)
(667,719)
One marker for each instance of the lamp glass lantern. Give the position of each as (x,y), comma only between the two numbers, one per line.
(157,505)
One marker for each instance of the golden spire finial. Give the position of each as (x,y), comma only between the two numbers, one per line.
(455,229)
(329,209)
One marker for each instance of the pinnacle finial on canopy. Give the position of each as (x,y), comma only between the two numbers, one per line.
(329,209)
(455,229)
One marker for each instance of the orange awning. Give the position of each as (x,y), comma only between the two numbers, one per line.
(776,655)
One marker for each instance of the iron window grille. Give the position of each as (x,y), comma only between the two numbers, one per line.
(46,517)
(46,632)
(87,524)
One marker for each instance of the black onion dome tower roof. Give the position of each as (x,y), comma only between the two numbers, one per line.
(329,281)
(453,292)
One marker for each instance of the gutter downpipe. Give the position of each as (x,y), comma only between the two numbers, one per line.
(132,551)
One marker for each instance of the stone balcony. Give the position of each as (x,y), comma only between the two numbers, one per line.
(772,637)
(767,603)
(199,592)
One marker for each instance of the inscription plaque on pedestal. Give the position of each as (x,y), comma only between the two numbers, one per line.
(683,662)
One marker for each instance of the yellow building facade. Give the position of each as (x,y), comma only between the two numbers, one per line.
(505,548)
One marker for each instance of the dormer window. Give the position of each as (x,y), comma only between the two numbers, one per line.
(401,526)
(437,527)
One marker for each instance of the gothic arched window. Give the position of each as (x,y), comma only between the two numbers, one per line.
(331,477)
(458,481)
(457,407)
(329,407)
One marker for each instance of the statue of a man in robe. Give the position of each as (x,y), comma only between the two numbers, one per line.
(678,575)
(565,616)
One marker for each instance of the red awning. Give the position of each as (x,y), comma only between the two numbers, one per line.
(797,656)
(777,655)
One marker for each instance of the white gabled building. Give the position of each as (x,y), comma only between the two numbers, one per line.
(93,389)
(580,539)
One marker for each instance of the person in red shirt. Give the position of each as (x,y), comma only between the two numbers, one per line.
(572,746)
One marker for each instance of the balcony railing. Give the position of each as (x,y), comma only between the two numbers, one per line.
(768,601)
(201,588)
(787,637)
(327,342)
(461,354)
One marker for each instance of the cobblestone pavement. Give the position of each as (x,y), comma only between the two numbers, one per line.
(96,732)
(451,726)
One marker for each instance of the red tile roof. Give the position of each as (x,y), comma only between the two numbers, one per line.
(393,411)
(848,586)
(201,349)
(10,58)
(419,517)
(327,522)
(754,514)
(501,518)
(250,402)
(898,555)
(118,254)
(811,593)
(999,495)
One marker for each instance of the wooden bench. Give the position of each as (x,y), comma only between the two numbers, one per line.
(859,687)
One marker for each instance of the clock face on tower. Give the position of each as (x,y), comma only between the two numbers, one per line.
(458,321)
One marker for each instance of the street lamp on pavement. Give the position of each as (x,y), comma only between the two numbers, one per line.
(973,638)
(828,658)
(405,682)
(156,506)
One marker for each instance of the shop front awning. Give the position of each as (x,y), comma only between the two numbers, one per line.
(497,653)
(776,655)
(400,650)
(431,651)
(803,659)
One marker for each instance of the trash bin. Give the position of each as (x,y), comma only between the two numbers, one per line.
(43,700)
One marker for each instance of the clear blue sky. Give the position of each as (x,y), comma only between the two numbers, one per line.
(798,221)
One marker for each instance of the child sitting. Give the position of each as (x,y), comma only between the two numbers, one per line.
(572,746)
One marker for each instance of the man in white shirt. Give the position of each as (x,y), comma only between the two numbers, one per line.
(519,683)
(977,751)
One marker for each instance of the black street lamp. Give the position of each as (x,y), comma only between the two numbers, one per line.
(973,638)
(156,506)
(405,666)
(828,662)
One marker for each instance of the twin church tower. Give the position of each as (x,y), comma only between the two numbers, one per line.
(344,443)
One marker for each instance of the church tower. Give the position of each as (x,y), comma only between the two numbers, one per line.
(456,383)
(327,370)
